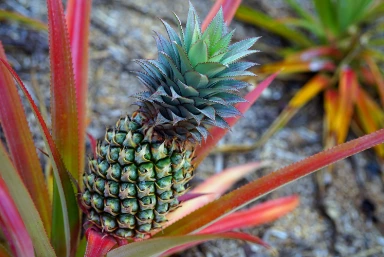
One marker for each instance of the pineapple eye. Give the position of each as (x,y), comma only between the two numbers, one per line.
(113,154)
(124,233)
(130,206)
(146,215)
(129,155)
(119,137)
(126,221)
(97,202)
(127,190)
(103,167)
(129,173)
(109,222)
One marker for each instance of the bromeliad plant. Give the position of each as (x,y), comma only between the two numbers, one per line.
(144,163)
(342,54)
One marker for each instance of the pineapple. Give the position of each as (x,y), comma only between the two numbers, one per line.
(145,162)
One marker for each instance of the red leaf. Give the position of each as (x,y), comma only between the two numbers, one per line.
(212,188)
(70,211)
(229,10)
(218,133)
(21,145)
(231,202)
(98,244)
(244,236)
(13,226)
(154,247)
(78,19)
(258,215)
(65,127)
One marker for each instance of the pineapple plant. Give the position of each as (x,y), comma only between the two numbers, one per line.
(145,161)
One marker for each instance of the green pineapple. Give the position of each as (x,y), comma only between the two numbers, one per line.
(145,162)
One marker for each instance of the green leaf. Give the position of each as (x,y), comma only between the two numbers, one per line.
(198,53)
(12,16)
(210,69)
(326,11)
(195,79)
(301,11)
(259,19)
(25,205)
(349,14)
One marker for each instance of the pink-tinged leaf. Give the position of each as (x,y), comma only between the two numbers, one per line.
(70,222)
(258,215)
(231,202)
(17,17)
(20,143)
(370,116)
(154,247)
(217,133)
(189,196)
(25,206)
(302,97)
(13,226)
(180,248)
(229,10)
(379,79)
(65,127)
(295,66)
(78,19)
(314,52)
(347,95)
(98,244)
(213,188)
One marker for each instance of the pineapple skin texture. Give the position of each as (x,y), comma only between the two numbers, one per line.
(136,178)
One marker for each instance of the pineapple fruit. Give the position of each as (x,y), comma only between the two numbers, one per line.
(145,161)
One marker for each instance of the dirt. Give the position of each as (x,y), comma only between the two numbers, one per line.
(345,220)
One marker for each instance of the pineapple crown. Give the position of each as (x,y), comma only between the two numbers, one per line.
(192,84)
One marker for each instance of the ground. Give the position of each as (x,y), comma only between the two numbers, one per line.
(346,219)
